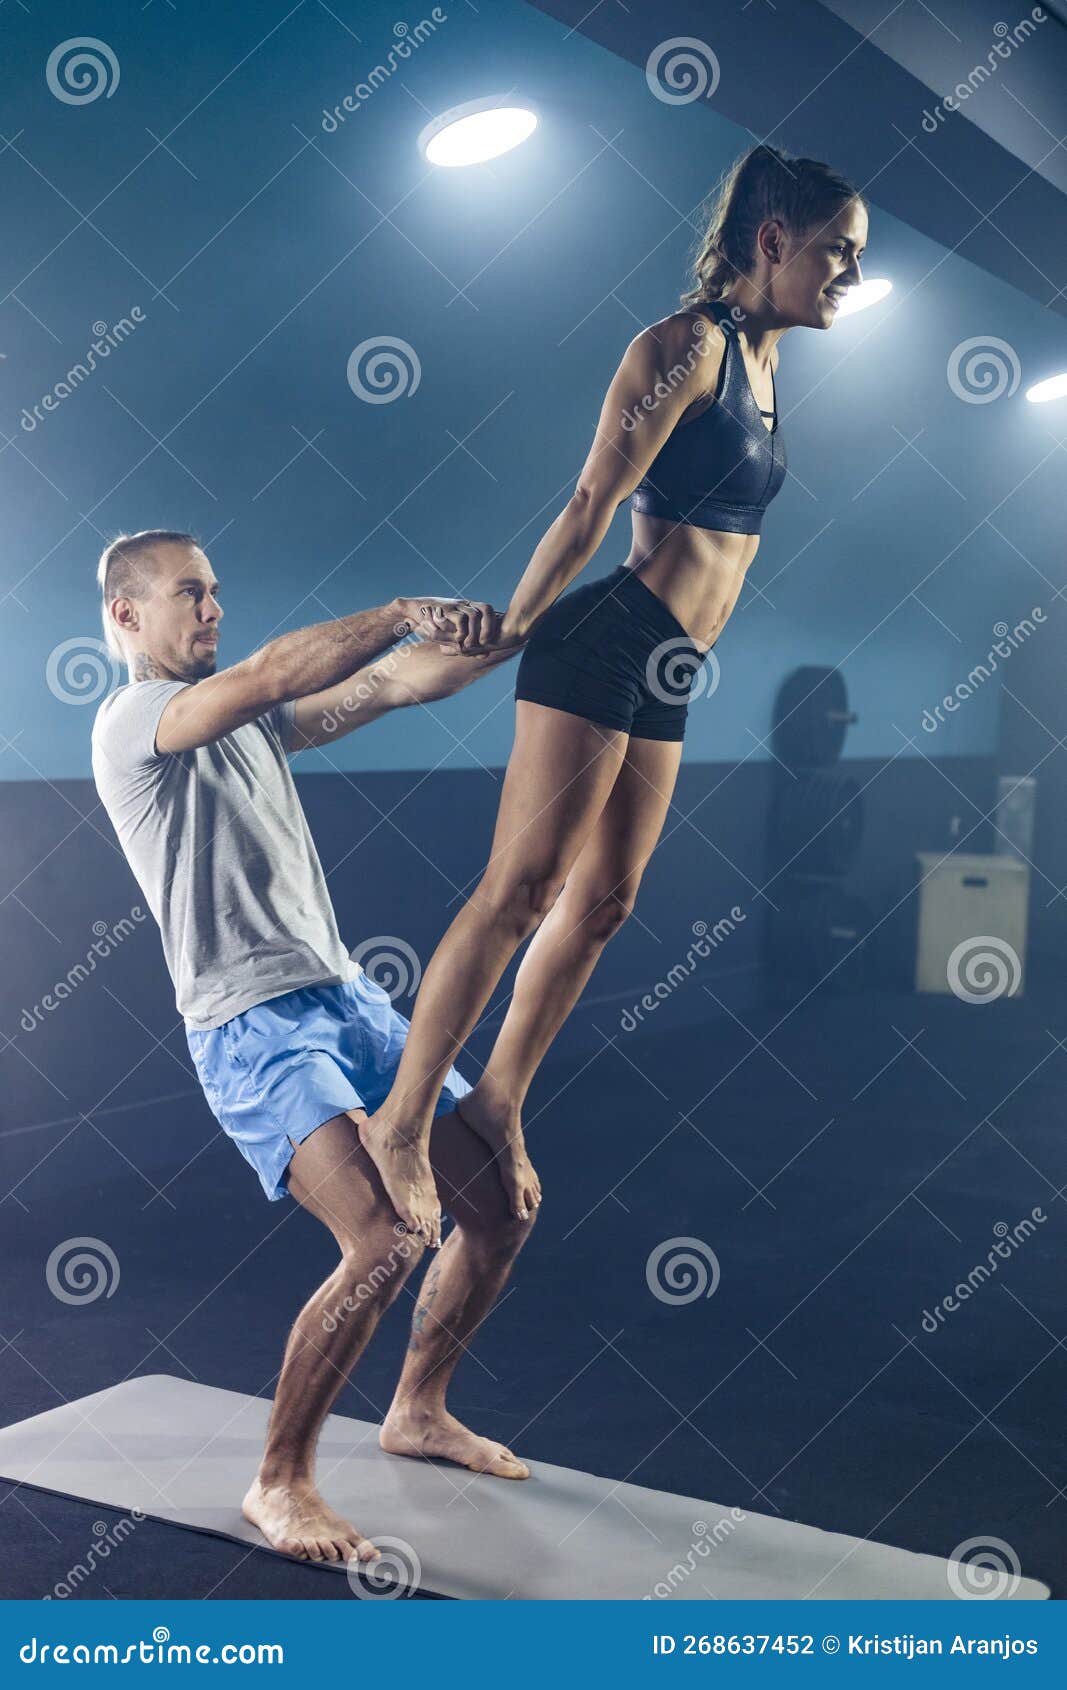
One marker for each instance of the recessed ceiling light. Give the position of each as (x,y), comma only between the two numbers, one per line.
(1053,387)
(868,293)
(476,131)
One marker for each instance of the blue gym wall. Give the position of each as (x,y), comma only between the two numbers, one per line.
(228,410)
(260,249)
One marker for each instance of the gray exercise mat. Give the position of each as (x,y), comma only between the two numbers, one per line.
(185,1453)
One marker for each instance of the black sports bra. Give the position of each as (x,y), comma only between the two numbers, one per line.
(723,469)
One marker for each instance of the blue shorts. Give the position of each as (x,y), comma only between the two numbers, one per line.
(283,1067)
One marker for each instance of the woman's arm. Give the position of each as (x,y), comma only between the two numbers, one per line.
(665,369)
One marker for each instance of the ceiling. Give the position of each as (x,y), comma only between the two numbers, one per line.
(858,82)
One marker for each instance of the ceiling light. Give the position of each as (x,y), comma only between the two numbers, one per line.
(1053,387)
(867,293)
(479,130)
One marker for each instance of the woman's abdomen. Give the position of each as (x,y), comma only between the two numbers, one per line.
(697,572)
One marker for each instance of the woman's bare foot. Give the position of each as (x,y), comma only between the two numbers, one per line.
(441,1437)
(489,1112)
(400,1156)
(294,1519)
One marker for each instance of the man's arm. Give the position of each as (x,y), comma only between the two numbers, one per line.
(293,666)
(411,674)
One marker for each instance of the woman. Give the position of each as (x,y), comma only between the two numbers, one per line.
(690,434)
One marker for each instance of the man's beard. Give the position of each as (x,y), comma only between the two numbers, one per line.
(201,666)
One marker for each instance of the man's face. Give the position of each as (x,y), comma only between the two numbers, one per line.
(178,612)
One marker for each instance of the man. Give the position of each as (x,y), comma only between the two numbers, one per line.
(293,1043)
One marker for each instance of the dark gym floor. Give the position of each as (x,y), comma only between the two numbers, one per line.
(848,1174)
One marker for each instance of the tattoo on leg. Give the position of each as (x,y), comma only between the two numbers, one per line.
(429,1292)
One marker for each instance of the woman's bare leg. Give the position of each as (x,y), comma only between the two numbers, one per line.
(598,896)
(561,770)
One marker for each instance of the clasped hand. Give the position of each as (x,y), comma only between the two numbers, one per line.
(463,627)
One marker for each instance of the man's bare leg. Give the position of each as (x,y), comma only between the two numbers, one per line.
(561,770)
(332,1176)
(460,1287)
(598,895)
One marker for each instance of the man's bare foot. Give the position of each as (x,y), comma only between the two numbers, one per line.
(441,1437)
(489,1112)
(402,1160)
(294,1519)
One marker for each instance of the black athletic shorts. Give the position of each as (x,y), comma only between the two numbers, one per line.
(613,652)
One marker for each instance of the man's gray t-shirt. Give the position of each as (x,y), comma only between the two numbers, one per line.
(219,844)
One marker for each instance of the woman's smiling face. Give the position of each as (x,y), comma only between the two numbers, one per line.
(820,265)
